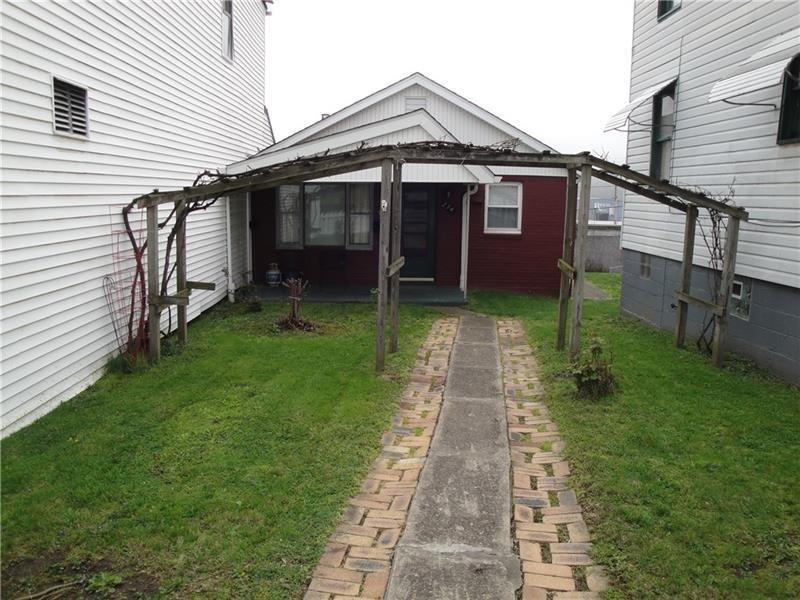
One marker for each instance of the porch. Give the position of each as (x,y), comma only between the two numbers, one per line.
(410,293)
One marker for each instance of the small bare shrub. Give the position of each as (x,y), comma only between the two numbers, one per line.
(592,371)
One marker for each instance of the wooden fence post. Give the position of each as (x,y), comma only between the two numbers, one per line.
(383,262)
(686,275)
(567,256)
(153,291)
(579,264)
(397,215)
(725,286)
(180,266)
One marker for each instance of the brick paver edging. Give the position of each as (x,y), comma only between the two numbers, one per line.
(552,538)
(357,559)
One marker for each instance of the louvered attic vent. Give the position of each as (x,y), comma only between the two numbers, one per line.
(69,103)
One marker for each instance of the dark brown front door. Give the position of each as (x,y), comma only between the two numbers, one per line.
(418,238)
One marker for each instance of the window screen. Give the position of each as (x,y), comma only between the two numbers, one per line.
(289,217)
(324,212)
(359,210)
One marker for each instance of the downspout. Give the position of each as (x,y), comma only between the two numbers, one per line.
(229,269)
(249,237)
(471,190)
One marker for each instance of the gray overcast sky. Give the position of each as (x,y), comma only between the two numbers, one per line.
(556,70)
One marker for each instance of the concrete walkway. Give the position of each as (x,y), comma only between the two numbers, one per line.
(457,541)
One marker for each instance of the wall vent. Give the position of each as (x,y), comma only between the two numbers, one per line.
(70,109)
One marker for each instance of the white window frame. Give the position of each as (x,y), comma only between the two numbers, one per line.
(502,230)
(226,23)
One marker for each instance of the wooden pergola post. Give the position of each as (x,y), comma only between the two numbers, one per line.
(153,305)
(180,267)
(567,256)
(394,281)
(579,264)
(686,275)
(724,294)
(383,262)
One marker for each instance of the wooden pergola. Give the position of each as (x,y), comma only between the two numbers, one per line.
(391,159)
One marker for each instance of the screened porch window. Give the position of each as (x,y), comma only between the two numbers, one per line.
(289,217)
(324,207)
(503,208)
(359,216)
(324,214)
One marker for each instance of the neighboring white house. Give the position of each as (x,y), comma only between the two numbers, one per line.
(100,103)
(715,90)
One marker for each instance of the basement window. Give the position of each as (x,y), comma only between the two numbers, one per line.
(644,266)
(741,295)
(789,124)
(227,29)
(70,108)
(503,208)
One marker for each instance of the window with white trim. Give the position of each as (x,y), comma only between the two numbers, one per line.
(70,108)
(503,208)
(324,214)
(227,29)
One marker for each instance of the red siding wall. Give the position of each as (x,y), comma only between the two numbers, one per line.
(525,262)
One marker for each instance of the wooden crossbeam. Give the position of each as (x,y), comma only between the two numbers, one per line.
(638,189)
(173,300)
(664,187)
(566,268)
(395,267)
(315,167)
(699,302)
(200,285)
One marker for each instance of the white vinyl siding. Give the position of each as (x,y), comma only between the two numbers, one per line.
(62,195)
(716,145)
(464,126)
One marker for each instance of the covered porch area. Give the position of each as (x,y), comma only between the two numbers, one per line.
(410,293)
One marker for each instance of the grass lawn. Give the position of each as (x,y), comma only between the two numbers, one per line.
(220,472)
(690,474)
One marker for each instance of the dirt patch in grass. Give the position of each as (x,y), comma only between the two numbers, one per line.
(67,578)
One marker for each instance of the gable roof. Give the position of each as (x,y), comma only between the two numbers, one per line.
(355,137)
(427,83)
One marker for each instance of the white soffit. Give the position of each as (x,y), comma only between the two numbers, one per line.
(620,118)
(762,70)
